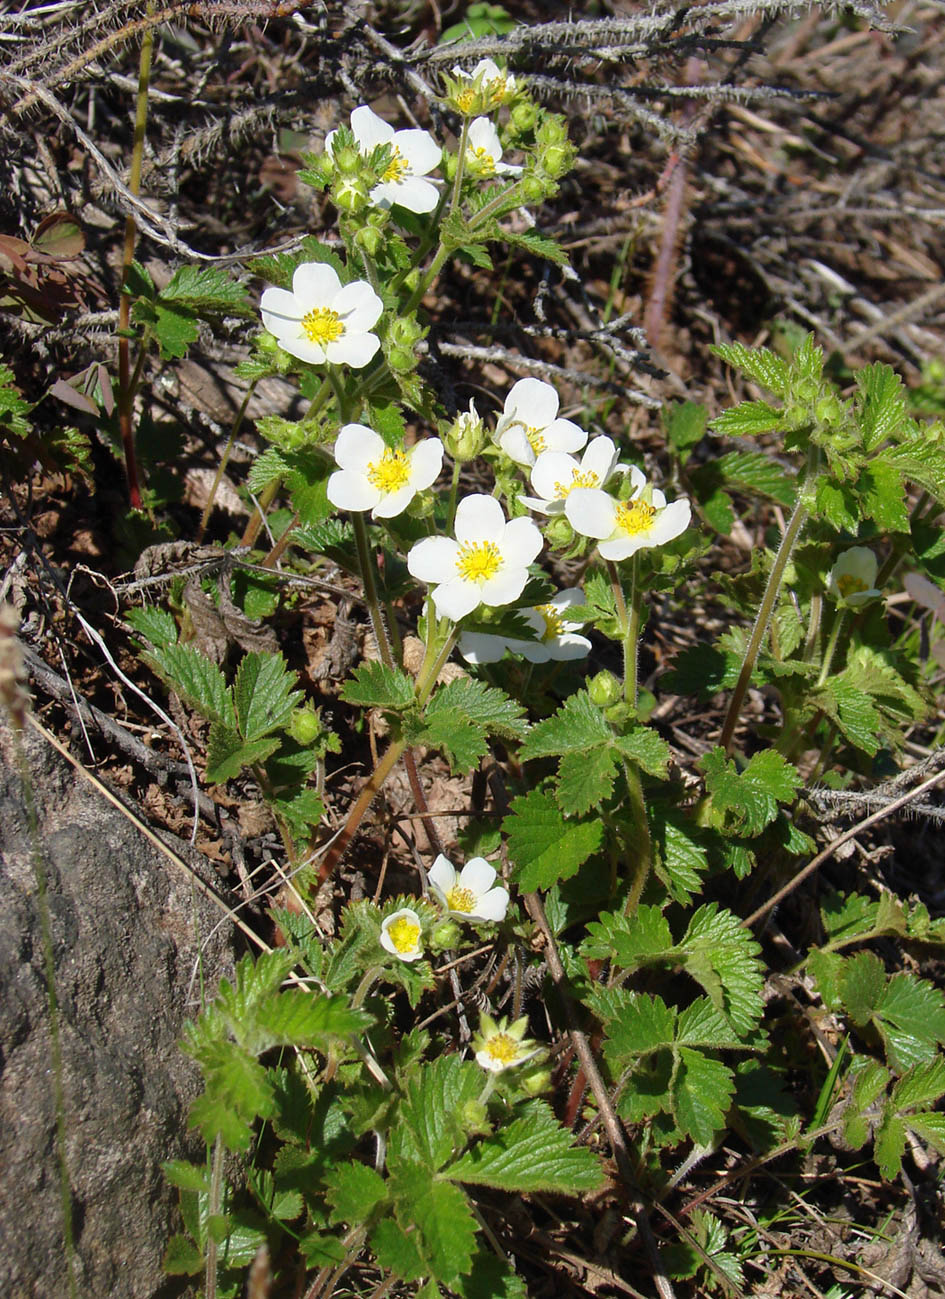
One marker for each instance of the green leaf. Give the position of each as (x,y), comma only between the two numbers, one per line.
(869,1082)
(450,731)
(490,1278)
(577,726)
(756,472)
(922,1085)
(544,848)
(809,359)
(630,942)
(397,1251)
(701,670)
(189,1177)
(702,1090)
(301,813)
(637,1024)
(721,955)
(585,780)
(646,748)
(764,366)
(156,625)
(293,1017)
(175,328)
(353,1190)
(197,680)
(207,290)
(837,503)
(911,1018)
(680,855)
(483,705)
(278,268)
(748,419)
(387,419)
(429,1128)
(921,459)
(269,467)
(684,423)
(748,800)
(264,695)
(883,497)
(533,1153)
(537,244)
(882,403)
(852,712)
(228,753)
(889,1146)
(375,686)
(862,985)
(441,1212)
(182,1257)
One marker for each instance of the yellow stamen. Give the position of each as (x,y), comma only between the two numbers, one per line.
(484,162)
(502,1047)
(391,472)
(466,99)
(847,585)
(460,899)
(635,516)
(536,439)
(322,325)
(587,479)
(396,169)
(554,625)
(404,934)
(477,561)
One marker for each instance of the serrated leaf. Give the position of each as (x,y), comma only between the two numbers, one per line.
(187,1176)
(759,363)
(463,742)
(537,244)
(747,419)
(889,1146)
(301,813)
(585,780)
(175,328)
(577,726)
(921,459)
(270,466)
(630,941)
(397,1251)
(749,799)
(701,670)
(721,955)
(429,1128)
(544,848)
(293,1017)
(321,1249)
(922,1085)
(809,359)
(196,679)
(850,708)
(182,1257)
(208,290)
(387,419)
(702,1090)
(883,497)
(754,471)
(882,403)
(484,705)
(375,686)
(647,749)
(685,424)
(278,268)
(702,1025)
(215,1118)
(228,753)
(637,1024)
(490,1278)
(353,1190)
(264,694)
(911,1018)
(533,1153)
(441,1212)
(156,625)
(680,855)
(837,503)
(862,985)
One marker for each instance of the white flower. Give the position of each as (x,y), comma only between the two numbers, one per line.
(556,638)
(529,423)
(624,527)
(484,150)
(555,475)
(469,893)
(486,82)
(486,564)
(413,154)
(401,934)
(322,319)
(503,1045)
(373,476)
(851,579)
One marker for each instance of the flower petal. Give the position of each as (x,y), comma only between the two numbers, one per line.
(481,647)
(571,595)
(433,559)
(393,503)
(356,446)
(454,600)
(348,490)
(479,518)
(355,350)
(670,522)
(358,305)
(507,585)
(563,435)
(442,874)
(553,468)
(304,349)
(533,401)
(622,547)
(314,285)
(413,193)
(520,542)
(492,906)
(483,135)
(426,461)
(420,150)
(600,458)
(514,442)
(477,875)
(369,129)
(637,480)
(280,313)
(591,512)
(570,646)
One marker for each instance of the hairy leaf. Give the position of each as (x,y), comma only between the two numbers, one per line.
(544,848)
(758,363)
(197,680)
(264,695)
(375,686)
(749,799)
(353,1190)
(532,1153)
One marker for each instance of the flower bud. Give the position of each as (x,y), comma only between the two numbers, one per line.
(347,159)
(445,936)
(536,1081)
(466,436)
(535,188)
(617,714)
(553,130)
(828,410)
(350,194)
(305,725)
(412,280)
(524,115)
(475,1118)
(369,239)
(604,689)
(401,359)
(406,331)
(559,532)
(557,159)
(422,505)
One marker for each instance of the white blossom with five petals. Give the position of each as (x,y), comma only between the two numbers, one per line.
(402,935)
(373,476)
(487,80)
(624,527)
(556,637)
(414,153)
(470,894)
(484,151)
(555,474)
(851,581)
(529,423)
(487,563)
(322,319)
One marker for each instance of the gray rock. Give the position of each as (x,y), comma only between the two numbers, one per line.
(128,930)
